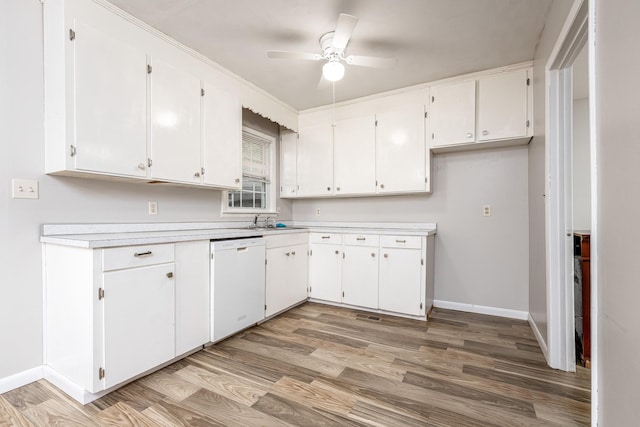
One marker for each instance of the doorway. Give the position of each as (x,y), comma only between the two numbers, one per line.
(566,185)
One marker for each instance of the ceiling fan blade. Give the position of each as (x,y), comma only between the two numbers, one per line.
(280,54)
(344,29)
(371,61)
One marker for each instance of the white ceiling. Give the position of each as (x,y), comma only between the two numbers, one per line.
(431,39)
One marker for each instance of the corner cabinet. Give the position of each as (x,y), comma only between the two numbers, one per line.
(490,111)
(113,314)
(121,103)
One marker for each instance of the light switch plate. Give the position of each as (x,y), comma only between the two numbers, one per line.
(24,189)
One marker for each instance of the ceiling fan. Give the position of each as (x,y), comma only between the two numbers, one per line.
(333,45)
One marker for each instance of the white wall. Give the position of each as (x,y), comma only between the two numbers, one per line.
(62,200)
(537,264)
(581,166)
(617,155)
(478,260)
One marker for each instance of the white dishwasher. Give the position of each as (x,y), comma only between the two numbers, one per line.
(237,285)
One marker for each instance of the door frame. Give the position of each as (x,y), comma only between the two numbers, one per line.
(558,209)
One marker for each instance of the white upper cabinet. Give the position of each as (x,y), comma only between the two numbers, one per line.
(288,154)
(354,147)
(453,113)
(315,161)
(175,124)
(401,156)
(500,102)
(502,106)
(222,138)
(110,95)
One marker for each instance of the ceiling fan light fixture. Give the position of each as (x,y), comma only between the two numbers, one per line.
(333,71)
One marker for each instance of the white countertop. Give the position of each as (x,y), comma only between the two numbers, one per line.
(95,236)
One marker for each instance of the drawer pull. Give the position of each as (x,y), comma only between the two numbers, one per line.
(139,254)
(361,238)
(293,252)
(288,253)
(401,241)
(326,237)
(170,275)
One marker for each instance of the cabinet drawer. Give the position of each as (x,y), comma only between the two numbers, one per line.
(361,239)
(409,242)
(286,240)
(136,256)
(333,238)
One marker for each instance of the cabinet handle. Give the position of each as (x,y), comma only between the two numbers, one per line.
(361,238)
(293,252)
(142,166)
(237,180)
(337,188)
(373,254)
(170,275)
(381,185)
(485,132)
(386,255)
(328,188)
(401,241)
(469,135)
(196,175)
(139,254)
(326,237)
(337,252)
(288,253)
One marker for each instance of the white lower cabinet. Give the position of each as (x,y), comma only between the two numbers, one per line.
(192,295)
(286,272)
(139,314)
(325,266)
(360,271)
(112,314)
(402,274)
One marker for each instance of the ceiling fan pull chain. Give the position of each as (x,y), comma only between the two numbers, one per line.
(333,107)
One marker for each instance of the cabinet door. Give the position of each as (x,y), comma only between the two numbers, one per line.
(192,295)
(400,280)
(298,274)
(325,272)
(286,277)
(288,154)
(276,285)
(354,148)
(222,138)
(401,158)
(360,276)
(175,124)
(315,161)
(139,320)
(110,104)
(502,106)
(453,113)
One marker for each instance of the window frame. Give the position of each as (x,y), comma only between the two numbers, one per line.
(271,208)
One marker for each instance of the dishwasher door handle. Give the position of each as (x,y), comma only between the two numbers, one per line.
(242,249)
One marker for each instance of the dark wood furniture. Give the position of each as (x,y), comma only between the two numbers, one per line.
(583,244)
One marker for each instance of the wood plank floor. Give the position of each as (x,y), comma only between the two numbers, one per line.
(320,365)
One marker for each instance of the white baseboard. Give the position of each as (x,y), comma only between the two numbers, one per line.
(21,378)
(482,309)
(538,335)
(69,387)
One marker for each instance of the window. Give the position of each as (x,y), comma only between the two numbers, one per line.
(256,195)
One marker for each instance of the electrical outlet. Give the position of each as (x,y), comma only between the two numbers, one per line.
(24,189)
(153,208)
(318,212)
(486,210)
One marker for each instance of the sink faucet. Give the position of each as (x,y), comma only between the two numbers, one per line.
(255,221)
